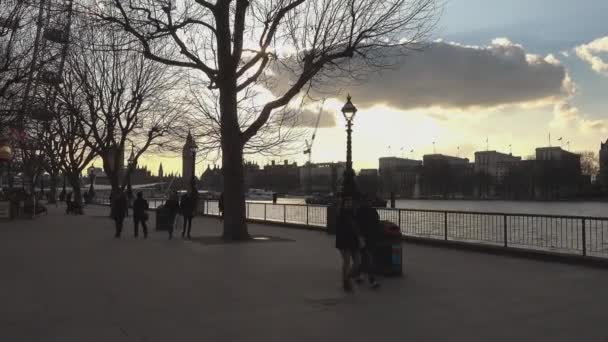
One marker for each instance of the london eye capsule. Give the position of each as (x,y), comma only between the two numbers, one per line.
(56,35)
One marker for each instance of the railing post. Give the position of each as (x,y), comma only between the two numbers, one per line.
(584,239)
(284,213)
(445,225)
(307,214)
(265,211)
(504,226)
(399,219)
(247,211)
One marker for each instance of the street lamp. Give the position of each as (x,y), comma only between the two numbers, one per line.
(348,183)
(6,154)
(193,149)
(91,172)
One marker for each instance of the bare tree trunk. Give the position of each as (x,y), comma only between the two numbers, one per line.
(235,226)
(74,180)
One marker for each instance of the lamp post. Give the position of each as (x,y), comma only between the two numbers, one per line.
(6,154)
(348,183)
(91,172)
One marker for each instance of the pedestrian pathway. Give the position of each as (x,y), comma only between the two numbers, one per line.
(65,278)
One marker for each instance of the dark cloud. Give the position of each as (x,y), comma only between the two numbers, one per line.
(450,75)
(308,118)
(455,76)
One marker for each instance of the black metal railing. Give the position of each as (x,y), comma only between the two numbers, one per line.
(579,235)
(587,236)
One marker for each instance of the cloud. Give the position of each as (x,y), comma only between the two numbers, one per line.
(568,116)
(449,75)
(591,53)
(307,118)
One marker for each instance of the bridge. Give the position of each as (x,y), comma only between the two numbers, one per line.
(65,278)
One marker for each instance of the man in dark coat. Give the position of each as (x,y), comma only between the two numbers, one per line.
(140,215)
(347,240)
(220,204)
(368,222)
(119,210)
(187,207)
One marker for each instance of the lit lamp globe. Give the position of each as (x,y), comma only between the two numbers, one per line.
(349,110)
(6,153)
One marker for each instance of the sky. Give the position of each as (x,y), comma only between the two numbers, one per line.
(499,75)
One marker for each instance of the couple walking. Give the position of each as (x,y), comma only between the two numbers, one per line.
(357,234)
(120,207)
(186,207)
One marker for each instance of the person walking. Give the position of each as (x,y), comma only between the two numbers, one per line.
(186,207)
(119,210)
(220,205)
(368,222)
(140,205)
(347,240)
(172,206)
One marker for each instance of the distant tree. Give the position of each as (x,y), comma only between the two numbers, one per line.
(120,98)
(590,163)
(234,47)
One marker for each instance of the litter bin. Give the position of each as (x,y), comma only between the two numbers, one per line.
(388,255)
(163,218)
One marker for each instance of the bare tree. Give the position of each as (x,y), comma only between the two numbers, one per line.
(119,97)
(590,164)
(16,45)
(235,46)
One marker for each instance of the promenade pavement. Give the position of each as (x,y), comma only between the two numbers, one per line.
(65,278)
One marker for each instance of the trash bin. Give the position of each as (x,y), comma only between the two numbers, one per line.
(163,219)
(388,255)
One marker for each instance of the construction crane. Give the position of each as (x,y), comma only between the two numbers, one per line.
(309,145)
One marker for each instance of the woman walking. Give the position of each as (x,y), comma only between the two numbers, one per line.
(347,240)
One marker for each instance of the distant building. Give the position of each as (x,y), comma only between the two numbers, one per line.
(398,176)
(212,179)
(445,176)
(322,177)
(490,170)
(557,174)
(281,178)
(368,181)
(188,160)
(603,175)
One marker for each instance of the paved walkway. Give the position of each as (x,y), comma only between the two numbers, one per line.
(64,278)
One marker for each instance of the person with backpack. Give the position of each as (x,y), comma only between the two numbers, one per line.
(140,205)
(368,222)
(347,240)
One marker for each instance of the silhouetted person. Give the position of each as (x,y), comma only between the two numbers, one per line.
(186,206)
(119,211)
(274,198)
(172,206)
(368,222)
(220,205)
(140,205)
(347,240)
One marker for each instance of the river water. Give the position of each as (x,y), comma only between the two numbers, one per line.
(595,209)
